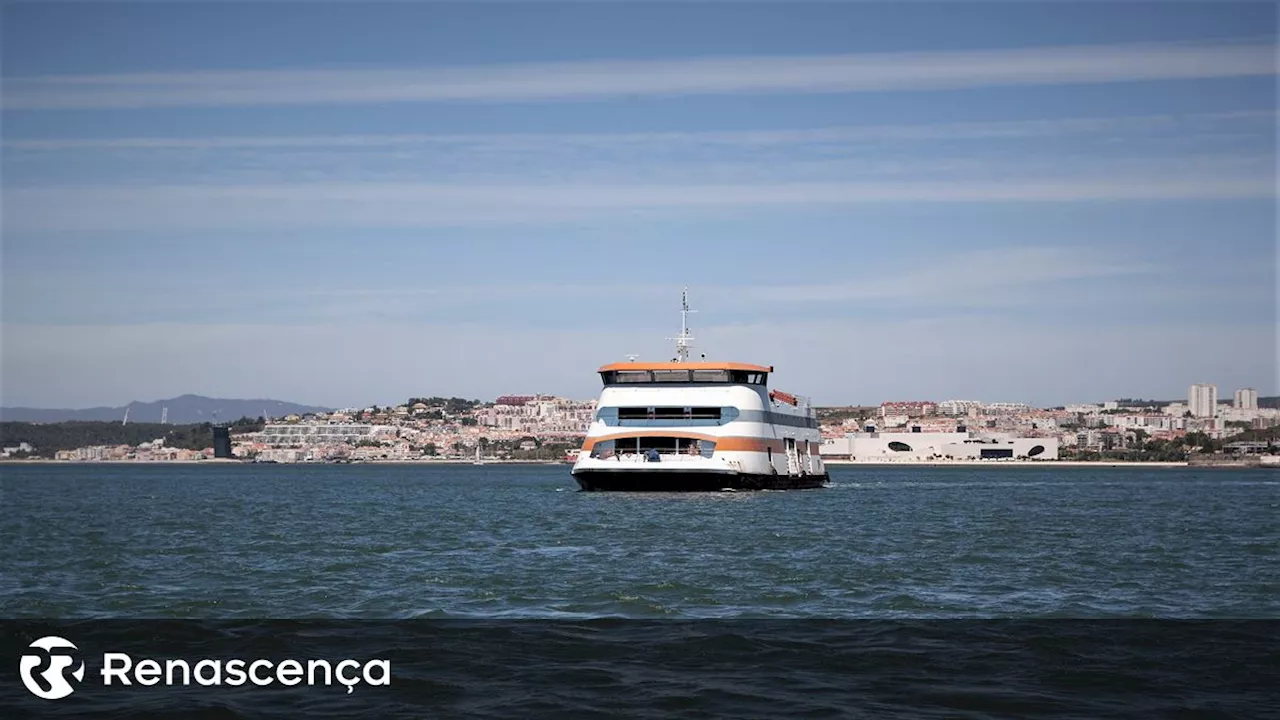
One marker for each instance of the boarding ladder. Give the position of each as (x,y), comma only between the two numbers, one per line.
(793,458)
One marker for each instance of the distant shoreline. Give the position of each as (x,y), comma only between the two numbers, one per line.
(224,461)
(1015,463)
(464,462)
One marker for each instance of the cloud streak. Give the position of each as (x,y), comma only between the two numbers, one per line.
(1254,120)
(855,360)
(375,205)
(1007,280)
(600,79)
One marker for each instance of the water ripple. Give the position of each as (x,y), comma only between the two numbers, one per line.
(231,541)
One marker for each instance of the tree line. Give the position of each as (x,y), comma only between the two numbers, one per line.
(49,438)
(1155,450)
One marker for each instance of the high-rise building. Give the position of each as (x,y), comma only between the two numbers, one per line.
(1202,400)
(222,441)
(1246,399)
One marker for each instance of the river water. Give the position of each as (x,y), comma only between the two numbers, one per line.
(402,541)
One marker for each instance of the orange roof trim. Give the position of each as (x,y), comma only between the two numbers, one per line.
(686,366)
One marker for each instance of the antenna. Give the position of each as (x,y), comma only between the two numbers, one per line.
(126,415)
(164,415)
(682,341)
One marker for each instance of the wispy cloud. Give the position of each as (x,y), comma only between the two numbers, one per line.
(1147,145)
(849,360)
(1006,281)
(373,205)
(994,280)
(973,277)
(585,80)
(1218,122)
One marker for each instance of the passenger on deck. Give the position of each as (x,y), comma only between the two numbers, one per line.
(651,455)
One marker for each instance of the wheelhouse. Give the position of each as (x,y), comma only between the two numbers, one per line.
(684,373)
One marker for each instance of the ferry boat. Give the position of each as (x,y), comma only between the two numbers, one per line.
(684,426)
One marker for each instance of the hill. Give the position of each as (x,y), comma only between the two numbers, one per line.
(183,410)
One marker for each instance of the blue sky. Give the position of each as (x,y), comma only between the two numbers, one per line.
(353,203)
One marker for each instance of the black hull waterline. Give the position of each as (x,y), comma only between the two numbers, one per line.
(691,481)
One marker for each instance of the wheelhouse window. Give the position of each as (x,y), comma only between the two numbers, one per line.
(711,376)
(621,377)
(729,377)
(671,376)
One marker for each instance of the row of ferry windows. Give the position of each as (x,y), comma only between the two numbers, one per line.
(733,377)
(607,449)
(689,416)
(672,413)
(666,416)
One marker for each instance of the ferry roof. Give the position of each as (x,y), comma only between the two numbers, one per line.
(686,366)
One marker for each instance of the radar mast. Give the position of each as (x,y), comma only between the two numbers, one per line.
(683,339)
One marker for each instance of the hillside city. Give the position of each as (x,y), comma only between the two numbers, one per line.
(550,429)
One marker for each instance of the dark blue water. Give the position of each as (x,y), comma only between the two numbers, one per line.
(392,542)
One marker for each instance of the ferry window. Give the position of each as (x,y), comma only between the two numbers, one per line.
(711,376)
(693,415)
(671,376)
(628,376)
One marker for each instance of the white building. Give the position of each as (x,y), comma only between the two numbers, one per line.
(940,446)
(1087,408)
(1006,408)
(958,407)
(1246,399)
(1203,400)
(1148,422)
(20,447)
(292,435)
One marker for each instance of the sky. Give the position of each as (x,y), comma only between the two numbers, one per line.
(344,204)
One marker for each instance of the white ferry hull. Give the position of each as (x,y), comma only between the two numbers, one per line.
(690,480)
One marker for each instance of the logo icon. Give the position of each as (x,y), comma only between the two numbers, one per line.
(44,671)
